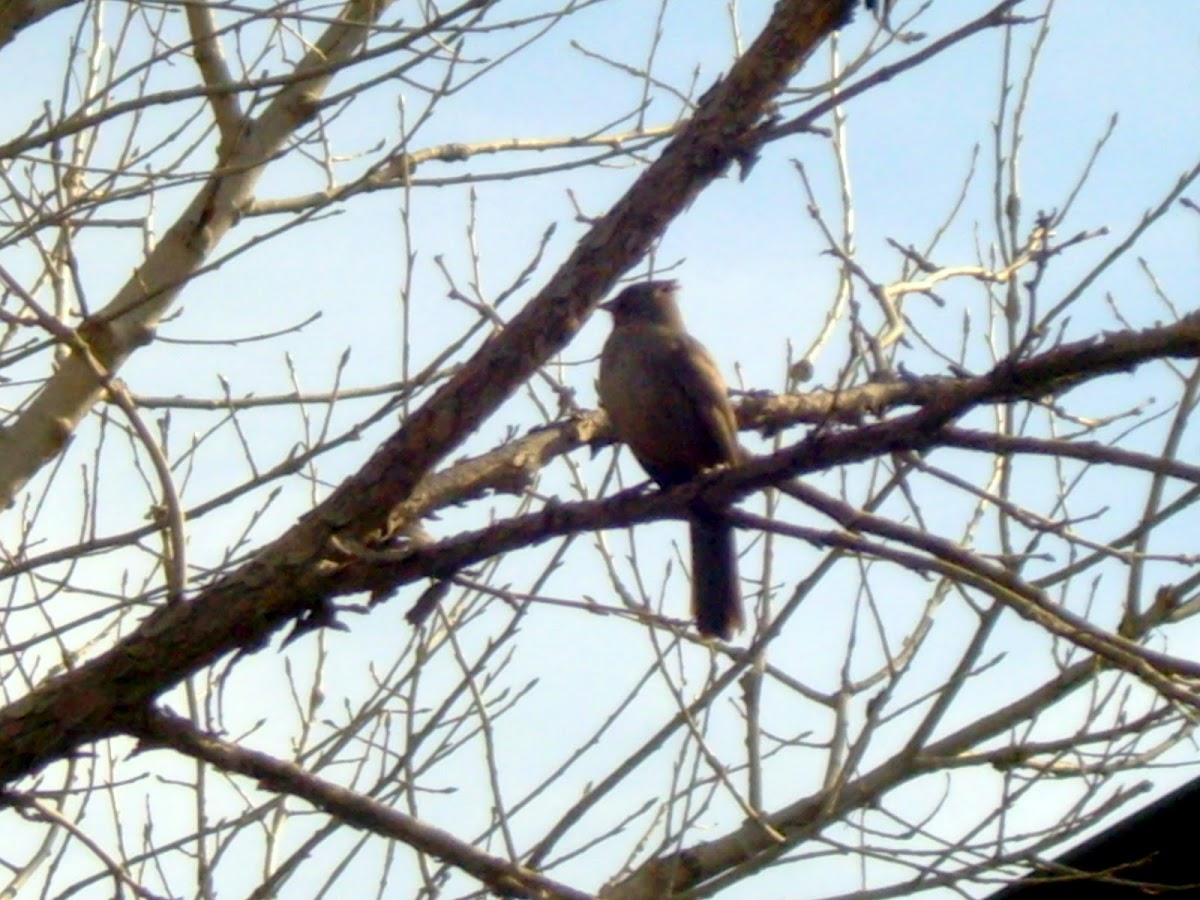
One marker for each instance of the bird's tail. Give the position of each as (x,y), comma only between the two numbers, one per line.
(716,590)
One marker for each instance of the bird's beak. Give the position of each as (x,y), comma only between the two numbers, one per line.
(607,306)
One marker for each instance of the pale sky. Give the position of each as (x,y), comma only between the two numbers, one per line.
(751,264)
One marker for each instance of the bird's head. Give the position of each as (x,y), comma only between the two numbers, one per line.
(650,302)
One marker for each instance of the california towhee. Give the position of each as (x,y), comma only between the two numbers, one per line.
(668,402)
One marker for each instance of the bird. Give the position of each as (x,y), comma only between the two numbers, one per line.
(668,403)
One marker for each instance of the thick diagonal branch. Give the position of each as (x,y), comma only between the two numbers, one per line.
(506,879)
(17,15)
(297,572)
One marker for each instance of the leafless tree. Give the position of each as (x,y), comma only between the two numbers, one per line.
(418,631)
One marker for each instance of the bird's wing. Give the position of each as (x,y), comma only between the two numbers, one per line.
(699,381)
(667,400)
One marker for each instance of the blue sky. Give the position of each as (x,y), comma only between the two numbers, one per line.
(750,260)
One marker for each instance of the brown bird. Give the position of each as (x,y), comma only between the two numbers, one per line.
(668,402)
